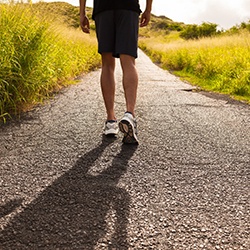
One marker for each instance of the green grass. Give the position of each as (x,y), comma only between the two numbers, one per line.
(42,49)
(38,56)
(220,64)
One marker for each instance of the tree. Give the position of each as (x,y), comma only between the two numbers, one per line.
(207,29)
(190,31)
(193,31)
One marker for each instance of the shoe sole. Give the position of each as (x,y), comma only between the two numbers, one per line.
(128,130)
(111,133)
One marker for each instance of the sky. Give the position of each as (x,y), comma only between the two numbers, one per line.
(225,13)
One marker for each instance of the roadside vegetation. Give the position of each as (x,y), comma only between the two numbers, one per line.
(214,60)
(41,50)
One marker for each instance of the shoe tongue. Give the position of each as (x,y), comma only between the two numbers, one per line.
(129,114)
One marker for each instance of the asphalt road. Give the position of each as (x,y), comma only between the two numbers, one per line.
(186,186)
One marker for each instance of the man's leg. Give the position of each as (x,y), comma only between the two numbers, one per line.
(108,84)
(130,81)
(127,124)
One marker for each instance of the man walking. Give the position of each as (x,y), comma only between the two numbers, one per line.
(117,24)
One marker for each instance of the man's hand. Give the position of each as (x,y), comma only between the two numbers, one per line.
(84,22)
(145,18)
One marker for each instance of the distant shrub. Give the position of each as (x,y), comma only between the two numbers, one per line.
(159,25)
(166,26)
(190,32)
(244,26)
(193,31)
(176,26)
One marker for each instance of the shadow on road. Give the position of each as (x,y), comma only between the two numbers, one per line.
(10,206)
(72,212)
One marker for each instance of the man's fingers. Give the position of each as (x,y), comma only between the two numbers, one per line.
(144,22)
(85,29)
(144,19)
(84,24)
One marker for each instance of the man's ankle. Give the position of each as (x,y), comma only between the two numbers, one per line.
(111,118)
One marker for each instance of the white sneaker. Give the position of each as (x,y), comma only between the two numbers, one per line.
(128,127)
(111,128)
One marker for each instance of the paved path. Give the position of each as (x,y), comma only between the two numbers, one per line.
(186,186)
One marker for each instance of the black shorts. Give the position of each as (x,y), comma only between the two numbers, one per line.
(117,32)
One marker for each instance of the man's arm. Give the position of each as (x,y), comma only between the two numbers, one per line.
(146,14)
(84,21)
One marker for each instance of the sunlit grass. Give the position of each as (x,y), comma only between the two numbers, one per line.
(220,64)
(38,57)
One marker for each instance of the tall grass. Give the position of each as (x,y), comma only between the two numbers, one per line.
(37,57)
(220,64)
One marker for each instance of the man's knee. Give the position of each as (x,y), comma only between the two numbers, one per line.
(108,60)
(127,60)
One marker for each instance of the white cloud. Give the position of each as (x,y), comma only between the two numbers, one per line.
(178,10)
(225,13)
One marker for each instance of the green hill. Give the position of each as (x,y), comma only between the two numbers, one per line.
(60,12)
